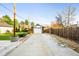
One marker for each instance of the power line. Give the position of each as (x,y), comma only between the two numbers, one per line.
(11,11)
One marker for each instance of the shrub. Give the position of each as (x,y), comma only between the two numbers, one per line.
(8,32)
(21,34)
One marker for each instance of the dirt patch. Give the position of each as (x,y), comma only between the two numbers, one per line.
(70,43)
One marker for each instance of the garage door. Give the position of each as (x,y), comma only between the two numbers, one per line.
(37,30)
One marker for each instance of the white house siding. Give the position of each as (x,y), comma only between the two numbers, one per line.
(4,29)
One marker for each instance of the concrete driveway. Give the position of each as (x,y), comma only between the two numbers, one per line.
(42,45)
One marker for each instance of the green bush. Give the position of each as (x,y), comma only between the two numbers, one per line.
(8,32)
(21,34)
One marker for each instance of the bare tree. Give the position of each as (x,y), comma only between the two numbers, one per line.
(59,19)
(68,15)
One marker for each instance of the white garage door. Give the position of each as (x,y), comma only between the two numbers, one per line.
(37,30)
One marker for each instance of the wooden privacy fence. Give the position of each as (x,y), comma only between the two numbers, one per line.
(66,32)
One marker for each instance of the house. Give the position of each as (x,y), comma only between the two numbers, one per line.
(4,27)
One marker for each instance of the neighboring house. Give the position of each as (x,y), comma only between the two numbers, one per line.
(4,27)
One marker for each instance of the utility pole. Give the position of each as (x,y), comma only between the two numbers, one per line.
(14,11)
(0,13)
(28,20)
